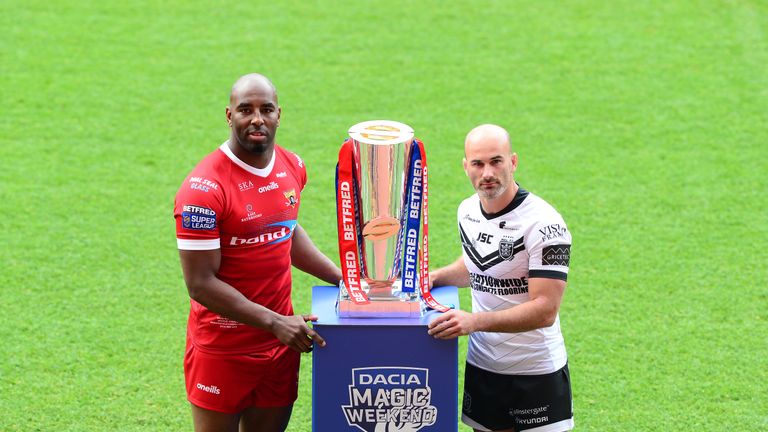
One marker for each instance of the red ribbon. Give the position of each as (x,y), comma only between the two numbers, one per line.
(429,299)
(346,217)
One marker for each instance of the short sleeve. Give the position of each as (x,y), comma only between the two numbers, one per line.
(198,208)
(549,249)
(302,171)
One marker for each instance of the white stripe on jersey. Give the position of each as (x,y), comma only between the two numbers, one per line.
(185,244)
(261,172)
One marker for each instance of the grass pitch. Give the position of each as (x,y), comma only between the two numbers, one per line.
(643,123)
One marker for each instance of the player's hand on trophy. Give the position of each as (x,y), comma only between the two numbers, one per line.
(452,324)
(433,276)
(294,332)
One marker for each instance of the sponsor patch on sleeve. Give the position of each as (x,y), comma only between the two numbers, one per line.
(559,255)
(198,218)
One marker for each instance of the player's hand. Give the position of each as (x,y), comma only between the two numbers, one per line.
(452,324)
(431,280)
(294,332)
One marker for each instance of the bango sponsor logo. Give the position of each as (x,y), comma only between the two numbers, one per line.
(390,399)
(277,232)
(197,218)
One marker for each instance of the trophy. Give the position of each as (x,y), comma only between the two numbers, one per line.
(382,216)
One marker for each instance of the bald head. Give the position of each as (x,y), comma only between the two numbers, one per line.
(253,115)
(488,135)
(490,166)
(251,81)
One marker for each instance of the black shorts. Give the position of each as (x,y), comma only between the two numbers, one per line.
(540,403)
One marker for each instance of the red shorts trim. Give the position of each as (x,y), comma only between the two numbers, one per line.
(232,383)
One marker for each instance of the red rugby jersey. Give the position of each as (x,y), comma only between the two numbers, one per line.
(250,214)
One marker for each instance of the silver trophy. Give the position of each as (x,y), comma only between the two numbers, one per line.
(379,153)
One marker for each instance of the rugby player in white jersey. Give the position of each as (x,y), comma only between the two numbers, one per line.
(516,251)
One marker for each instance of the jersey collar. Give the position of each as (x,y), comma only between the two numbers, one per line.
(261,172)
(516,201)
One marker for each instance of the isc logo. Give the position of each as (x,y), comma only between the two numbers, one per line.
(484,238)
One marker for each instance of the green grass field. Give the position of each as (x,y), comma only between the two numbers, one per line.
(645,124)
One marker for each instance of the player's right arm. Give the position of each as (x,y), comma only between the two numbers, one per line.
(455,274)
(200,267)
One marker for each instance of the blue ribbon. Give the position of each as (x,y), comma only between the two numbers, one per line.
(412,212)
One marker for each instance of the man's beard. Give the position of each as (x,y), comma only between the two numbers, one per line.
(492,194)
(253,147)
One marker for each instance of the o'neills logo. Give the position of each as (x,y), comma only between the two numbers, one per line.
(209,389)
(269,187)
(388,399)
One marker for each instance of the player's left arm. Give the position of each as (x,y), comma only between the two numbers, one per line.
(549,255)
(545,296)
(538,312)
(306,257)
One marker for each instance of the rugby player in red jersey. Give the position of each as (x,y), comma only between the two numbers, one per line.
(238,235)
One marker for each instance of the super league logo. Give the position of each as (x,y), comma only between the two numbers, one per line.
(390,399)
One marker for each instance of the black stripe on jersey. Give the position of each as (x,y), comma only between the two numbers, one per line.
(520,196)
(548,274)
(490,260)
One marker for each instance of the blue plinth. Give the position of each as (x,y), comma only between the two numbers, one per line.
(382,374)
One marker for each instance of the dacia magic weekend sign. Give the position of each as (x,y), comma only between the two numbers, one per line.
(390,399)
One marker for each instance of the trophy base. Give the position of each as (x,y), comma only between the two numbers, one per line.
(384,303)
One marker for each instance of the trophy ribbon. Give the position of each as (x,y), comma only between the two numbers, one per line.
(348,213)
(426,295)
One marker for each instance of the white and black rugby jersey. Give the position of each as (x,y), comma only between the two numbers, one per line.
(502,251)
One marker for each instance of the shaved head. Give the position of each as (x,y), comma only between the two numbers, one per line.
(253,115)
(249,81)
(490,166)
(485,134)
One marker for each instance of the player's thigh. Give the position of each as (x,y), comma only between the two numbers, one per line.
(272,419)
(487,400)
(278,380)
(213,421)
(222,383)
(545,401)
